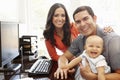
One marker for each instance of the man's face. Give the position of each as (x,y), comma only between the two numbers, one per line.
(85,23)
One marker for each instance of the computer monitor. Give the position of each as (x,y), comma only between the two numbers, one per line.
(9,42)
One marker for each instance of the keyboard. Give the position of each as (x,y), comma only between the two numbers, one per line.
(41,66)
(42,79)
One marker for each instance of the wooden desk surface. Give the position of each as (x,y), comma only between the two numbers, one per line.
(51,75)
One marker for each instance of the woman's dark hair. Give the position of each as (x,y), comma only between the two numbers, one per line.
(49,29)
(83,8)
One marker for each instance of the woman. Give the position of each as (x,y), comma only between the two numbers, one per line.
(59,32)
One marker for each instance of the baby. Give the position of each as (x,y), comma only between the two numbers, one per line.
(92,53)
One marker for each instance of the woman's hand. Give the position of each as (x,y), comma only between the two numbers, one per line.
(108,29)
(61,73)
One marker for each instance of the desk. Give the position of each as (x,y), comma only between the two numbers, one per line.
(51,75)
(11,73)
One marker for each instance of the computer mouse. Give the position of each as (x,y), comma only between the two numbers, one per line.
(43,57)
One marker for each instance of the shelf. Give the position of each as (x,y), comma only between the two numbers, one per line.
(29,49)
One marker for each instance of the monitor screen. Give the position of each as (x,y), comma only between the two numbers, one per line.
(9,42)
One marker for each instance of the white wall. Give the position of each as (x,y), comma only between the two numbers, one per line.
(9,10)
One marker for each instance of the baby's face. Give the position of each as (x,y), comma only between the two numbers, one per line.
(94,47)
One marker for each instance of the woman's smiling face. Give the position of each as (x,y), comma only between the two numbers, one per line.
(59,18)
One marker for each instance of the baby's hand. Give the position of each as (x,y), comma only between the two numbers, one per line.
(68,69)
(65,67)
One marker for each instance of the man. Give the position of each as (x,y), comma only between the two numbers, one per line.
(85,20)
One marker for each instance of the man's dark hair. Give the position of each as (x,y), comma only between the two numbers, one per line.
(83,8)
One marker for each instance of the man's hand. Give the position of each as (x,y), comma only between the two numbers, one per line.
(86,72)
(108,29)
